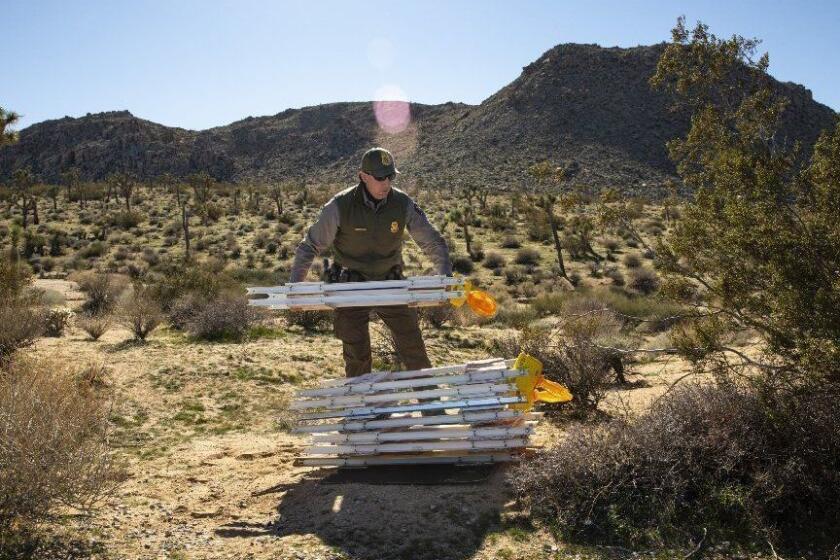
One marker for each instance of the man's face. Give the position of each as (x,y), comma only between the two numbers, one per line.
(378,189)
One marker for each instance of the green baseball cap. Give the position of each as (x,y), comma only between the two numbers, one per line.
(379,162)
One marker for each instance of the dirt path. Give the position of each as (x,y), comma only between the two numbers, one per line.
(68,290)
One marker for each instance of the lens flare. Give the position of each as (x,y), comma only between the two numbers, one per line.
(392,109)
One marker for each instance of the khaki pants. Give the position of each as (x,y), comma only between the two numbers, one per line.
(351,327)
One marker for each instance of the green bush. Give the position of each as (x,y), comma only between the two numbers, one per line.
(462,265)
(632,260)
(655,313)
(644,280)
(92,250)
(511,242)
(206,280)
(549,303)
(494,260)
(527,256)
(126,220)
(515,315)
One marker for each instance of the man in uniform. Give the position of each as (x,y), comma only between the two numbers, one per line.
(364,224)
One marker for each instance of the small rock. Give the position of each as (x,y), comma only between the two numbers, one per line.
(205,514)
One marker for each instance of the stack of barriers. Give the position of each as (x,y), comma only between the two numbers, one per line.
(474,413)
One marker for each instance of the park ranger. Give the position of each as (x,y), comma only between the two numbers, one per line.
(364,224)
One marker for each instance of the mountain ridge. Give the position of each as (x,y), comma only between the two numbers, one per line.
(578,104)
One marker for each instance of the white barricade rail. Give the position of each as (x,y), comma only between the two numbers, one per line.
(417,291)
(472,413)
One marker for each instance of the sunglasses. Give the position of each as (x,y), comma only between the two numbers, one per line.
(389,176)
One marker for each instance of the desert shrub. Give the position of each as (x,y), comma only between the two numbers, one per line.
(48,264)
(52,298)
(254,277)
(150,256)
(514,275)
(94,375)
(138,311)
(383,349)
(511,242)
(527,256)
(644,280)
(126,220)
(515,315)
(654,312)
(463,265)
(206,280)
(494,260)
(121,254)
(436,316)
(94,325)
(575,245)
(614,274)
(612,245)
(260,240)
(55,321)
(53,443)
(632,260)
(21,314)
(33,243)
(92,250)
(570,357)
(537,227)
(736,462)
(548,303)
(310,321)
(102,290)
(212,211)
(225,317)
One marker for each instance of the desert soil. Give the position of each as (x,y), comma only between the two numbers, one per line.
(202,431)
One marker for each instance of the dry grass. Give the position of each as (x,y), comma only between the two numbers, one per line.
(53,443)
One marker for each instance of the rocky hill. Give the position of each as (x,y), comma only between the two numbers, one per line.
(580,105)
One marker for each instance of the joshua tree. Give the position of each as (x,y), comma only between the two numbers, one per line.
(462,215)
(545,174)
(71,180)
(276,191)
(23,192)
(7,119)
(202,185)
(124,184)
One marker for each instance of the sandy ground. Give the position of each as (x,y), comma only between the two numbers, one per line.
(210,473)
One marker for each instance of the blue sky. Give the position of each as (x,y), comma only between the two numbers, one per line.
(198,64)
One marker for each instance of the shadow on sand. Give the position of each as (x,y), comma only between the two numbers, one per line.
(388,521)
